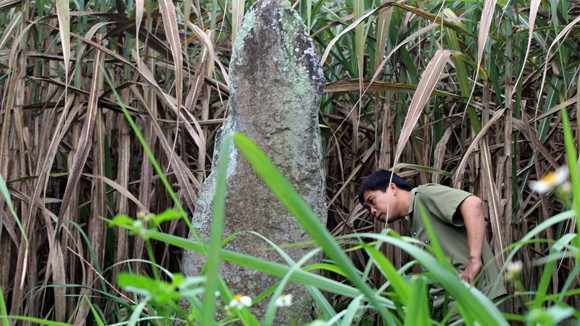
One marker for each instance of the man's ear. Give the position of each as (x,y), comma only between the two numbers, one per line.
(393,188)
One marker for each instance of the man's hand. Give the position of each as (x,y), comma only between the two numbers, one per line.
(471,271)
(471,210)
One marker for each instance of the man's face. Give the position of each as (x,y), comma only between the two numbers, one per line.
(382,204)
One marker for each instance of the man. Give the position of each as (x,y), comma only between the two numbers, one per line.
(456,217)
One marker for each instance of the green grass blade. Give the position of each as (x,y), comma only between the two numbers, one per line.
(304,215)
(134,319)
(574,177)
(390,272)
(271,312)
(569,281)
(358,8)
(3,312)
(351,312)
(213,252)
(418,307)
(472,303)
(544,284)
(268,267)
(326,309)
(38,321)
(8,200)
(461,70)
(96,315)
(327,267)
(541,227)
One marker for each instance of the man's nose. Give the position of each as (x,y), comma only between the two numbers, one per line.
(373,211)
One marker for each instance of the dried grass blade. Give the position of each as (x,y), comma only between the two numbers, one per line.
(386,143)
(560,35)
(493,198)
(411,37)
(104,49)
(85,139)
(123,177)
(97,227)
(424,89)
(9,225)
(10,28)
(346,30)
(435,19)
(8,101)
(62,11)
(458,175)
(58,267)
(139,9)
(383,23)
(352,85)
(557,108)
(439,154)
(353,174)
(187,11)
(26,242)
(120,188)
(195,134)
(171,30)
(206,40)
(485,24)
(97,230)
(359,31)
(43,169)
(237,15)
(183,174)
(534,6)
(7,4)
(532,137)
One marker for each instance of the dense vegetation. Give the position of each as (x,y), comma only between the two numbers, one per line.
(468,94)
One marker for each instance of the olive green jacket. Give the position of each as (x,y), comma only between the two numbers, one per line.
(441,205)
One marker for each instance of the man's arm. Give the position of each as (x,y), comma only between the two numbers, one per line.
(472,211)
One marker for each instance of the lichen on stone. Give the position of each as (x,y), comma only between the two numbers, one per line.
(248,23)
(292,31)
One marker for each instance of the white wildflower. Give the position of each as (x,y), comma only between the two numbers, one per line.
(514,267)
(317,323)
(285,300)
(550,180)
(513,270)
(240,301)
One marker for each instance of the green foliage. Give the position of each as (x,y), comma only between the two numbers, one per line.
(410,300)
(418,309)
(3,312)
(76,150)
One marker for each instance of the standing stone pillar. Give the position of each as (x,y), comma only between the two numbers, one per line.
(276,85)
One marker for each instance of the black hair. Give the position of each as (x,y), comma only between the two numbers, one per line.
(380,180)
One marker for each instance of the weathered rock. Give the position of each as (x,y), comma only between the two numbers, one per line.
(276,84)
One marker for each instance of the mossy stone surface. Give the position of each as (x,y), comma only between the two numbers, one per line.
(276,86)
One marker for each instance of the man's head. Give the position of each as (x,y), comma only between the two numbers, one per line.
(386,195)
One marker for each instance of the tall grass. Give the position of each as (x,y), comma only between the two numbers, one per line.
(461,93)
